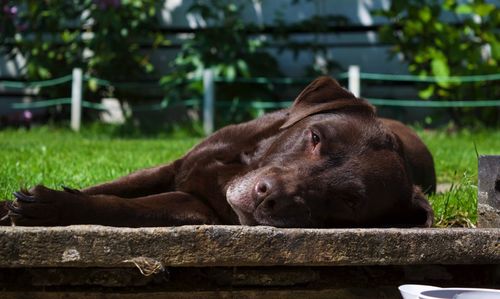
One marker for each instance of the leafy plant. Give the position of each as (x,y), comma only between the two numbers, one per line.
(223,45)
(227,46)
(448,38)
(234,48)
(101,36)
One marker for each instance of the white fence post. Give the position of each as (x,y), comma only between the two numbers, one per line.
(354,80)
(208,101)
(76,99)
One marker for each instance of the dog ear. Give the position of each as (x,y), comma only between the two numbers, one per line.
(420,212)
(322,95)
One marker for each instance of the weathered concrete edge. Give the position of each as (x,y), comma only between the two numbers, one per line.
(488,192)
(205,246)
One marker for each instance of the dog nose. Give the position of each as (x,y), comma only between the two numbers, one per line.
(263,188)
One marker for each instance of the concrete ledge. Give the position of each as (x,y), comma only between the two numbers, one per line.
(235,246)
(240,262)
(488,191)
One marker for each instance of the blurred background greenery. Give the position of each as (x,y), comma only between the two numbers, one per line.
(118,40)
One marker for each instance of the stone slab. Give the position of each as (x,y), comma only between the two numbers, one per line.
(152,249)
(489,191)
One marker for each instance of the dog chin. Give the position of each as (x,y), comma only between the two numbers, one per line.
(245,220)
(250,219)
(254,218)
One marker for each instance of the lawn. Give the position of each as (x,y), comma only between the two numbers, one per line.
(58,157)
(455,157)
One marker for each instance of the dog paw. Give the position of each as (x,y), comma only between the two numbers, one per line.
(4,213)
(42,206)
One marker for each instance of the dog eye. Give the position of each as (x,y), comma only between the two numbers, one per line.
(315,138)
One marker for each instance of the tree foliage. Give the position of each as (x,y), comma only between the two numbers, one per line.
(448,38)
(101,36)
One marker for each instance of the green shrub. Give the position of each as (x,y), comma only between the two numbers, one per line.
(224,46)
(469,44)
(234,48)
(101,36)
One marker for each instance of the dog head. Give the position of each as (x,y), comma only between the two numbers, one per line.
(333,164)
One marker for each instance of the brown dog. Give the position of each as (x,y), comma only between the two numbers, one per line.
(325,162)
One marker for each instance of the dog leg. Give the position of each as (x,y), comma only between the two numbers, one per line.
(143,182)
(42,206)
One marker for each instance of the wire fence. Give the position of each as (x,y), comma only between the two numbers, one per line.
(259,104)
(370,76)
(56,102)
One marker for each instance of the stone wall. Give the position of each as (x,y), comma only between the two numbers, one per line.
(240,261)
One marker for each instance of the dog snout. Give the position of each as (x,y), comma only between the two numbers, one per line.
(263,188)
(265,192)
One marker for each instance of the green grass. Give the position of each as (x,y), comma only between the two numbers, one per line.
(455,157)
(455,153)
(458,206)
(58,157)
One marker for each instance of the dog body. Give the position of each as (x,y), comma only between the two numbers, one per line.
(327,161)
